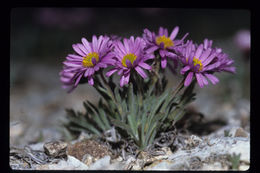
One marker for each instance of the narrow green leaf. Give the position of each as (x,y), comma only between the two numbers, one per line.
(151,138)
(179,115)
(96,116)
(143,124)
(103,116)
(124,110)
(132,122)
(123,126)
(130,98)
(153,124)
(159,102)
(103,92)
(117,95)
(149,133)
(84,124)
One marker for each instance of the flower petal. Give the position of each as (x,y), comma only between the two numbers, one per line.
(90,81)
(199,51)
(203,79)
(171,55)
(76,48)
(141,72)
(163,62)
(94,43)
(145,66)
(188,79)
(205,54)
(96,67)
(185,69)
(83,49)
(230,69)
(199,79)
(86,73)
(71,64)
(209,59)
(122,80)
(127,78)
(160,31)
(212,78)
(174,33)
(126,45)
(163,53)
(86,44)
(110,72)
(78,79)
(152,49)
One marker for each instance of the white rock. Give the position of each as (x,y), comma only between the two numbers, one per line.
(241,147)
(223,145)
(38,146)
(101,164)
(160,165)
(71,164)
(215,166)
(116,166)
(244,167)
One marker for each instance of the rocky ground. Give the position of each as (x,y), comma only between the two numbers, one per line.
(214,136)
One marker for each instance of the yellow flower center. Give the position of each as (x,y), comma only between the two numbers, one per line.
(131,57)
(165,40)
(87,61)
(197,61)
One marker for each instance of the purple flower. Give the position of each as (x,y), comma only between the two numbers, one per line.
(225,63)
(164,43)
(224,60)
(242,40)
(130,55)
(207,43)
(202,61)
(91,57)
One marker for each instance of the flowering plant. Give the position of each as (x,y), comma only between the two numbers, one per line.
(139,105)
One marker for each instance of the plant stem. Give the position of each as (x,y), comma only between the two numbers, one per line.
(156,76)
(120,110)
(107,86)
(178,88)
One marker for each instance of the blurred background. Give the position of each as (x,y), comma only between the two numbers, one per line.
(42,37)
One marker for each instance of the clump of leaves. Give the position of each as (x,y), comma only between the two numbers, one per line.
(139,111)
(227,133)
(235,161)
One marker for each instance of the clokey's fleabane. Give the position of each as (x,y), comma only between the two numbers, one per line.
(91,57)
(165,44)
(202,61)
(130,56)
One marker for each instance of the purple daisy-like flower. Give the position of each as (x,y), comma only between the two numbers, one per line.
(225,61)
(91,57)
(130,55)
(202,61)
(166,44)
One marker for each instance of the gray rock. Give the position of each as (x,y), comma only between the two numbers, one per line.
(71,164)
(220,146)
(55,148)
(37,146)
(101,164)
(160,165)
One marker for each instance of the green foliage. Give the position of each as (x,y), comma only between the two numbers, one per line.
(139,109)
(227,133)
(235,160)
